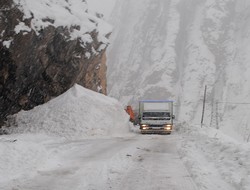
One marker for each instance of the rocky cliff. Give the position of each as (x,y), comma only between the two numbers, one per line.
(46,47)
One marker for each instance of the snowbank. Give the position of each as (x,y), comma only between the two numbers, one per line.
(36,134)
(210,155)
(78,113)
(64,13)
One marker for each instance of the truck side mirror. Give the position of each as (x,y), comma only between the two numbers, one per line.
(173,116)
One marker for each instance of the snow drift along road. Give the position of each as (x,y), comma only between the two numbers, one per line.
(77,113)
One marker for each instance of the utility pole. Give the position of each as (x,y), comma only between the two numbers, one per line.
(204,102)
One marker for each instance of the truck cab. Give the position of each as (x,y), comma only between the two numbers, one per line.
(156,116)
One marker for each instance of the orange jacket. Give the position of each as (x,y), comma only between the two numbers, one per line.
(129,110)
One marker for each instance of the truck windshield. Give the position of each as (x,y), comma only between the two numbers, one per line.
(156,115)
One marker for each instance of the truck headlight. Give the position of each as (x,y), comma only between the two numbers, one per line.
(144,126)
(168,127)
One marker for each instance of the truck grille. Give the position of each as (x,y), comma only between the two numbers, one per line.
(156,126)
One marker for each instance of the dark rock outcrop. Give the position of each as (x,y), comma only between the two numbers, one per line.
(34,67)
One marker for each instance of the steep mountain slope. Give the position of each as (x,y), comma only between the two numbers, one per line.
(171,49)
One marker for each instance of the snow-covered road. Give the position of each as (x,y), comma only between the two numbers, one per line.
(58,146)
(155,164)
(140,162)
(174,162)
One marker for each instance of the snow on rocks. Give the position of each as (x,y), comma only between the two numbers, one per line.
(76,114)
(22,27)
(7,43)
(44,13)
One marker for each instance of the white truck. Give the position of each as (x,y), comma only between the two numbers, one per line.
(156,116)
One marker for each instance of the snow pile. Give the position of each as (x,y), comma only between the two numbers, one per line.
(78,113)
(37,136)
(72,14)
(224,159)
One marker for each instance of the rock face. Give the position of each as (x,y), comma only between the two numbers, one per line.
(36,65)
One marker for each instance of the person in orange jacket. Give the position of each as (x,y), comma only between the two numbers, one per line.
(130,111)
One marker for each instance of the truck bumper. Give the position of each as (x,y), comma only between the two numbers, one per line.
(155,131)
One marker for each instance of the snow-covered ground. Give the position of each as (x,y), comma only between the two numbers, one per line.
(83,140)
(215,160)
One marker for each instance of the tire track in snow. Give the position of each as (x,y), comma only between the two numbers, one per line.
(156,165)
